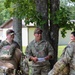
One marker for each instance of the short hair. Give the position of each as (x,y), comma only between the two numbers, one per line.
(73,33)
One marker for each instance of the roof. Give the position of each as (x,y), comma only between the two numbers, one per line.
(9,24)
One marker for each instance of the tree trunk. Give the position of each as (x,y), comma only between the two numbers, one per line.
(17,26)
(54,29)
(42,8)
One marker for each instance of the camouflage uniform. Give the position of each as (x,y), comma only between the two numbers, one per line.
(10,56)
(67,58)
(40,50)
(13,46)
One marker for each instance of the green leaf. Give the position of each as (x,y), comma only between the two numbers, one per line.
(73,0)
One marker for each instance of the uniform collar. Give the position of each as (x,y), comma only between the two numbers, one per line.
(9,42)
(39,41)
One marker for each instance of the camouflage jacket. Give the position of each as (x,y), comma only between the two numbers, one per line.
(4,44)
(40,50)
(67,57)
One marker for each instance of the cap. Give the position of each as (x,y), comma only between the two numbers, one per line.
(10,31)
(38,31)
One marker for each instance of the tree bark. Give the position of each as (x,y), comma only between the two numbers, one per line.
(42,8)
(54,29)
(17,26)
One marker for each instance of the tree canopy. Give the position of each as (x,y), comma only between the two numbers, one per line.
(26,9)
(4,13)
(73,0)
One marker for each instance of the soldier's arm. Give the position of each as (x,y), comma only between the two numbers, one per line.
(29,55)
(28,52)
(57,68)
(1,44)
(63,61)
(67,54)
(13,48)
(18,46)
(50,51)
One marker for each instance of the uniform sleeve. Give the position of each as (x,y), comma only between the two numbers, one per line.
(67,54)
(63,61)
(50,49)
(17,45)
(1,45)
(28,52)
(13,48)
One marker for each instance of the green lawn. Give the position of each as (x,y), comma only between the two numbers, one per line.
(60,49)
(24,48)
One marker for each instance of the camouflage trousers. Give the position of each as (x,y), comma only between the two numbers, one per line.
(39,70)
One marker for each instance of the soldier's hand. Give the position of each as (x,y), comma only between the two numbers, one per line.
(34,59)
(48,57)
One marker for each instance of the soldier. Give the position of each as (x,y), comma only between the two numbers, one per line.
(67,58)
(39,52)
(7,50)
(10,41)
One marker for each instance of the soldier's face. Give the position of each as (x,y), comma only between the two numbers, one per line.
(38,36)
(72,37)
(10,37)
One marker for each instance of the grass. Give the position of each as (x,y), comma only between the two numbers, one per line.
(60,50)
(24,48)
